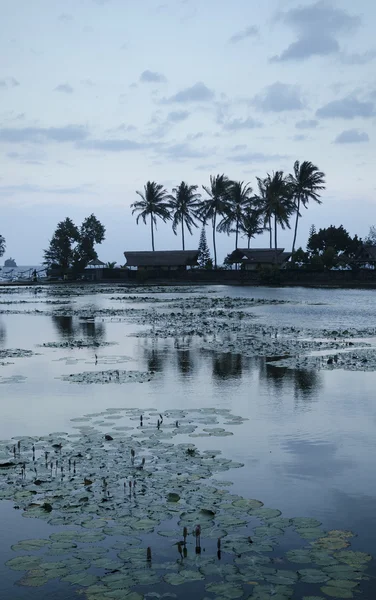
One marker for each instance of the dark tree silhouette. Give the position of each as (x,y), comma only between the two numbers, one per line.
(239,201)
(2,245)
(203,250)
(183,205)
(153,204)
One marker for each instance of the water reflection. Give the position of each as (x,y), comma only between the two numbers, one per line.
(155,355)
(184,355)
(71,327)
(3,334)
(227,365)
(305,383)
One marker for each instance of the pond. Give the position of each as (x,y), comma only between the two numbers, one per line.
(230,430)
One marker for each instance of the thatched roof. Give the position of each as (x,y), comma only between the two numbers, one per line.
(260,255)
(162,258)
(96,263)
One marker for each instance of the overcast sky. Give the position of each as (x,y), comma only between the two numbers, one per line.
(99,96)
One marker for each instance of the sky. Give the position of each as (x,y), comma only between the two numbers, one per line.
(99,96)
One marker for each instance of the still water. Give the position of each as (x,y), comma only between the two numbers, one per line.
(309,443)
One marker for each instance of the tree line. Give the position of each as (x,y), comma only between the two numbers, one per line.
(233,206)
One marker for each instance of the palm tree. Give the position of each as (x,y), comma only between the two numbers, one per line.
(184,203)
(239,200)
(260,200)
(251,223)
(306,183)
(215,204)
(278,202)
(153,203)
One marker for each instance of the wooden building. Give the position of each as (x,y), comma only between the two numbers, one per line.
(252,259)
(164,260)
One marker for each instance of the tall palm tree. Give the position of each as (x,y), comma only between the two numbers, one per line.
(278,202)
(306,183)
(239,200)
(184,203)
(251,223)
(215,204)
(154,204)
(260,200)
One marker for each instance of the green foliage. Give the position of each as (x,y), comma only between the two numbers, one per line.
(153,204)
(300,257)
(239,201)
(216,204)
(203,251)
(2,245)
(183,204)
(71,247)
(371,237)
(334,237)
(111,265)
(275,201)
(269,275)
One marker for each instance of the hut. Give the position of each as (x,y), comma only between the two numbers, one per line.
(252,259)
(95,269)
(164,260)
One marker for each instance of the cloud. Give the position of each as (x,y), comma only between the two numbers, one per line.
(351,136)
(239,124)
(346,108)
(110,145)
(317,27)
(65,17)
(64,87)
(152,77)
(250,31)
(279,97)
(307,124)
(8,83)
(248,157)
(181,151)
(196,93)
(69,133)
(299,138)
(177,116)
(88,82)
(28,188)
(358,58)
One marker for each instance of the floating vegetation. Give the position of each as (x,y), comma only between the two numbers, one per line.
(142,512)
(110,376)
(77,344)
(15,353)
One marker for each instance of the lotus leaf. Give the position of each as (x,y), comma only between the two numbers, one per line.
(310,534)
(266,513)
(226,590)
(337,592)
(282,577)
(33,580)
(354,559)
(84,579)
(300,556)
(343,583)
(276,592)
(30,545)
(183,577)
(312,576)
(301,522)
(23,563)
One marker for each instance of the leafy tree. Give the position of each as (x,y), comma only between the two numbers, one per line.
(371,237)
(91,232)
(60,252)
(277,202)
(111,265)
(184,203)
(73,247)
(239,201)
(251,223)
(216,203)
(203,250)
(306,183)
(334,237)
(300,257)
(2,245)
(262,202)
(153,204)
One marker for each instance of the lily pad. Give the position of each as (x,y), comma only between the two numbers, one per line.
(183,577)
(23,563)
(312,576)
(335,592)
(225,590)
(30,545)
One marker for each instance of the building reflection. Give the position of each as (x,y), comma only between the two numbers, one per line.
(3,334)
(155,355)
(227,365)
(305,383)
(73,327)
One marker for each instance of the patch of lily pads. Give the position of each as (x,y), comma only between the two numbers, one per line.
(77,344)
(116,376)
(139,511)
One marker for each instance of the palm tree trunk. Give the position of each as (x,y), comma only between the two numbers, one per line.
(270,233)
(296,228)
(249,242)
(182,232)
(236,233)
(214,246)
(152,231)
(275,238)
